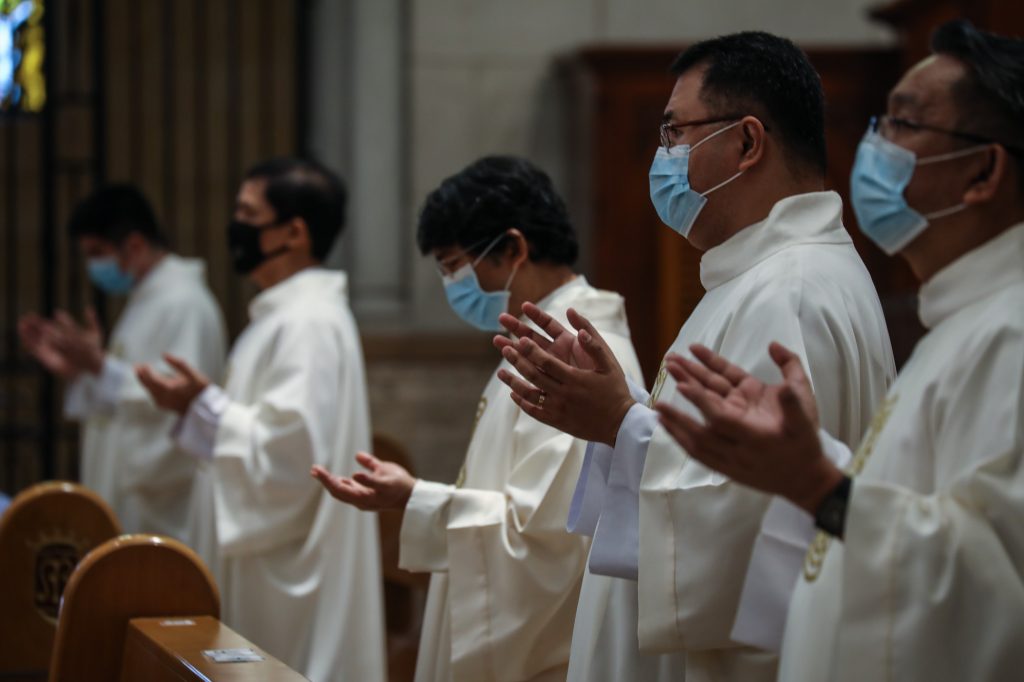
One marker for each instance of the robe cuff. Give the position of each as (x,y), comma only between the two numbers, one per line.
(92,394)
(588,498)
(196,431)
(592,484)
(79,401)
(423,539)
(108,385)
(775,564)
(638,392)
(616,547)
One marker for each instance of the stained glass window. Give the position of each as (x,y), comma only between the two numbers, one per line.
(22,50)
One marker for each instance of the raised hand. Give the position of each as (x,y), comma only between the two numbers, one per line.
(582,393)
(384,485)
(559,342)
(761,435)
(81,344)
(173,392)
(38,338)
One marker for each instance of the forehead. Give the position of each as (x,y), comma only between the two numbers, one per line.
(252,195)
(685,102)
(443,254)
(927,88)
(92,245)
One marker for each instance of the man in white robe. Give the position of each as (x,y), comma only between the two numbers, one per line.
(777,263)
(506,575)
(918,571)
(127,454)
(298,574)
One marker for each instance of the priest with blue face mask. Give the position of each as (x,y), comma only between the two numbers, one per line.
(127,455)
(917,569)
(505,574)
(684,559)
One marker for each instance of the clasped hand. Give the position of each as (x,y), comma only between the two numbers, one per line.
(61,345)
(567,380)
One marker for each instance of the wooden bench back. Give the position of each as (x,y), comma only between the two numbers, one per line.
(44,533)
(129,577)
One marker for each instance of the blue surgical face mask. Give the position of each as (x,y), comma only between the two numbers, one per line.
(880,174)
(474,305)
(677,203)
(108,276)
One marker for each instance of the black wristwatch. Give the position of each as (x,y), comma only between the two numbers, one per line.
(831,516)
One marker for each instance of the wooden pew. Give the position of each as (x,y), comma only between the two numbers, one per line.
(44,533)
(129,577)
(144,608)
(171,650)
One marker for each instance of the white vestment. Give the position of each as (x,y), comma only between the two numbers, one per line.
(128,457)
(299,572)
(928,583)
(506,575)
(688,534)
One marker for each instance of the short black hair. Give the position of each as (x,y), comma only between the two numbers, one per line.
(758,74)
(990,99)
(303,188)
(112,212)
(490,196)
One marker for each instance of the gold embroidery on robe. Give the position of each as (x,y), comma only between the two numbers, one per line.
(815,558)
(481,406)
(659,383)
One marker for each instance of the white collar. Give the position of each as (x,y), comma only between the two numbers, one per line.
(974,276)
(313,282)
(811,218)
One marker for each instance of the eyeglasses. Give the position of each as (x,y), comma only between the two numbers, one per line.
(888,126)
(669,133)
(447,267)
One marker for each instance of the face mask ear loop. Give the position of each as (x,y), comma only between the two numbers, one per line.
(938,158)
(722,184)
(511,277)
(716,133)
(488,249)
(945,212)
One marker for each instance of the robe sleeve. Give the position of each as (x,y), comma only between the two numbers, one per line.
(616,542)
(933,580)
(698,528)
(779,551)
(264,449)
(97,394)
(592,485)
(505,552)
(183,327)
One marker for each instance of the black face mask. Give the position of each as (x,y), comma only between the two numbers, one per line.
(244,245)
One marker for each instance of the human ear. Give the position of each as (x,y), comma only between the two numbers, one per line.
(992,173)
(754,139)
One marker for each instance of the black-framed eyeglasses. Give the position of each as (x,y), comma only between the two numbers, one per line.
(887,126)
(670,132)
